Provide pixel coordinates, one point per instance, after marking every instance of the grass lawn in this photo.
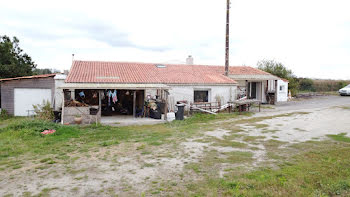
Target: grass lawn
(313, 168)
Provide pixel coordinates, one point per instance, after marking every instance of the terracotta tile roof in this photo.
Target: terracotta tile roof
(129, 72)
(285, 80)
(29, 77)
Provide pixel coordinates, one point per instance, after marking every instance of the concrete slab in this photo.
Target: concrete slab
(123, 120)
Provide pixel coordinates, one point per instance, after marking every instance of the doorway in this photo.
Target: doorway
(121, 102)
(253, 92)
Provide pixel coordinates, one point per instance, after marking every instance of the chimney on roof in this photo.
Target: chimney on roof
(189, 60)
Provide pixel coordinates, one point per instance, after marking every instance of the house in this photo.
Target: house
(133, 84)
(122, 88)
(92, 85)
(18, 95)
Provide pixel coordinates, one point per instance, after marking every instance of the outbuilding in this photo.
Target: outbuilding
(18, 95)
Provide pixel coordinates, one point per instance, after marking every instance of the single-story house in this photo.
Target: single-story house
(133, 84)
(115, 88)
(94, 83)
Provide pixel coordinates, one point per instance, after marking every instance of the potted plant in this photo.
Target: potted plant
(78, 119)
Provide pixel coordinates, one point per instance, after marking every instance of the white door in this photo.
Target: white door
(25, 98)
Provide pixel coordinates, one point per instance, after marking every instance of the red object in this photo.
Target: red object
(128, 72)
(48, 131)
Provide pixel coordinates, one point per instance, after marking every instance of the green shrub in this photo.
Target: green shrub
(44, 111)
(4, 114)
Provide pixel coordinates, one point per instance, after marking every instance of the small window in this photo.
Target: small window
(281, 88)
(201, 96)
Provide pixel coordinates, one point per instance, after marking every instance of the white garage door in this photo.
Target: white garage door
(25, 98)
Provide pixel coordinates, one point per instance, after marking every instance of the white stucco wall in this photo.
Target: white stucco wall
(186, 92)
(59, 81)
(282, 95)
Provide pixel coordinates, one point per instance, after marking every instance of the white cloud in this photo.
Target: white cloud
(310, 37)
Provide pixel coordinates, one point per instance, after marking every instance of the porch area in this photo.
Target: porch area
(114, 104)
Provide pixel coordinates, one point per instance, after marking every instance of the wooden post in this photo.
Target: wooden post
(248, 90)
(166, 105)
(262, 91)
(62, 113)
(134, 105)
(276, 90)
(99, 113)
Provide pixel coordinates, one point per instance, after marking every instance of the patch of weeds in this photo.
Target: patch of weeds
(252, 138)
(146, 152)
(238, 157)
(340, 137)
(14, 164)
(143, 146)
(47, 160)
(75, 189)
(193, 166)
(298, 129)
(109, 143)
(147, 165)
(260, 126)
(27, 194)
(229, 143)
(43, 167)
(17, 166)
(81, 178)
(46, 191)
(270, 131)
(73, 172)
(271, 144)
(254, 148)
(274, 156)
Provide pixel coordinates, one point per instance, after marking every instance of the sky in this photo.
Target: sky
(310, 37)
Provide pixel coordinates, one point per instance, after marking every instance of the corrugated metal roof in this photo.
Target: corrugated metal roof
(29, 77)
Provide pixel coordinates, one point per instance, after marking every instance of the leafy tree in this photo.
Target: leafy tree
(275, 68)
(13, 62)
(42, 71)
(279, 70)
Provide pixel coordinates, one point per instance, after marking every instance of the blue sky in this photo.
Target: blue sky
(311, 37)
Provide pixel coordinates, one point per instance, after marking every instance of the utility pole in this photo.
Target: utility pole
(227, 54)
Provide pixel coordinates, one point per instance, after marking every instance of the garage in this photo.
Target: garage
(25, 98)
(18, 95)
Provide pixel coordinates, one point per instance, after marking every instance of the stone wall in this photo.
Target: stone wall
(69, 113)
